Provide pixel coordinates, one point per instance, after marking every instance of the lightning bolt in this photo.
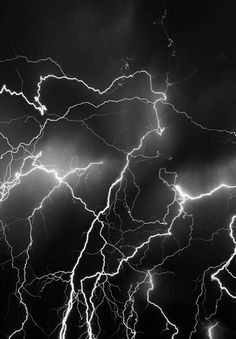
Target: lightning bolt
(210, 329)
(87, 301)
(9, 184)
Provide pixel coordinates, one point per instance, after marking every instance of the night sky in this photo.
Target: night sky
(117, 169)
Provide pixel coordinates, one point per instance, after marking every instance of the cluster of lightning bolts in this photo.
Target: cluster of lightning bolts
(13, 179)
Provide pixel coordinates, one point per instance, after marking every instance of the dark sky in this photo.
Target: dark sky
(108, 66)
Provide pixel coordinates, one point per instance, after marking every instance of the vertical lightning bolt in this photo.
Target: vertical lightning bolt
(210, 331)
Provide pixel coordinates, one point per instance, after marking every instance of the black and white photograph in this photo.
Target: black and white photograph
(117, 169)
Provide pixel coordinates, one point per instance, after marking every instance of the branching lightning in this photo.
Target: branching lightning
(88, 303)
